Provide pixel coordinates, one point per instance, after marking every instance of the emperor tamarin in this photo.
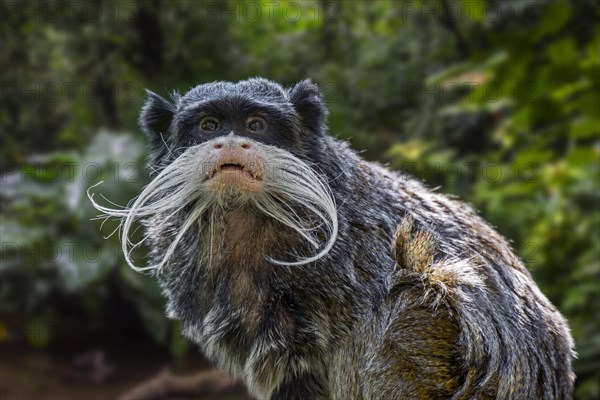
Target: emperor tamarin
(311, 273)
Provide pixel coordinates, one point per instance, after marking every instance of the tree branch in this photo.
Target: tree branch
(203, 383)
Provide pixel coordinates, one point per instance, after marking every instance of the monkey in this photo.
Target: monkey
(311, 273)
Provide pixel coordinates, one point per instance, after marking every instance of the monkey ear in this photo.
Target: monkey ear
(308, 103)
(156, 116)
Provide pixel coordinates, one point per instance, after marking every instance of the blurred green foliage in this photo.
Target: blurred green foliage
(495, 101)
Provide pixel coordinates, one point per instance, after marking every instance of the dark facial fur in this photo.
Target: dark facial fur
(398, 293)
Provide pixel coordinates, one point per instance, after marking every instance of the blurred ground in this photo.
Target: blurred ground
(91, 361)
(27, 373)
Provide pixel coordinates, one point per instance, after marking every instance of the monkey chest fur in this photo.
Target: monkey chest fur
(255, 320)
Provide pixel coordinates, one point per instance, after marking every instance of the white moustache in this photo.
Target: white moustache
(277, 183)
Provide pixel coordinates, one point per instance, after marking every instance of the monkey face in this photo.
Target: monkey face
(256, 110)
(235, 121)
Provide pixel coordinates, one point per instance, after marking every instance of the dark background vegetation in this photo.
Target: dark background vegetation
(495, 101)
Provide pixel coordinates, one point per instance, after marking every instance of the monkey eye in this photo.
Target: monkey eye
(209, 124)
(256, 124)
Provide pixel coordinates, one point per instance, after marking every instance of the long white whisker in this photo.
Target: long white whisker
(293, 193)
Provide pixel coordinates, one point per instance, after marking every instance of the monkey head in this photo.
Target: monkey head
(226, 147)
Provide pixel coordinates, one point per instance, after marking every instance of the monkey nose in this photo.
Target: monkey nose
(232, 143)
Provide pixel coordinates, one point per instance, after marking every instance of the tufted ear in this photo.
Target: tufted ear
(156, 116)
(308, 103)
(155, 120)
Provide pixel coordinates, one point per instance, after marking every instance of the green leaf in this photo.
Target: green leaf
(585, 128)
(563, 51)
(555, 15)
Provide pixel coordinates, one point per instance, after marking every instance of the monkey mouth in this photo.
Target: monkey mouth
(234, 168)
(233, 174)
